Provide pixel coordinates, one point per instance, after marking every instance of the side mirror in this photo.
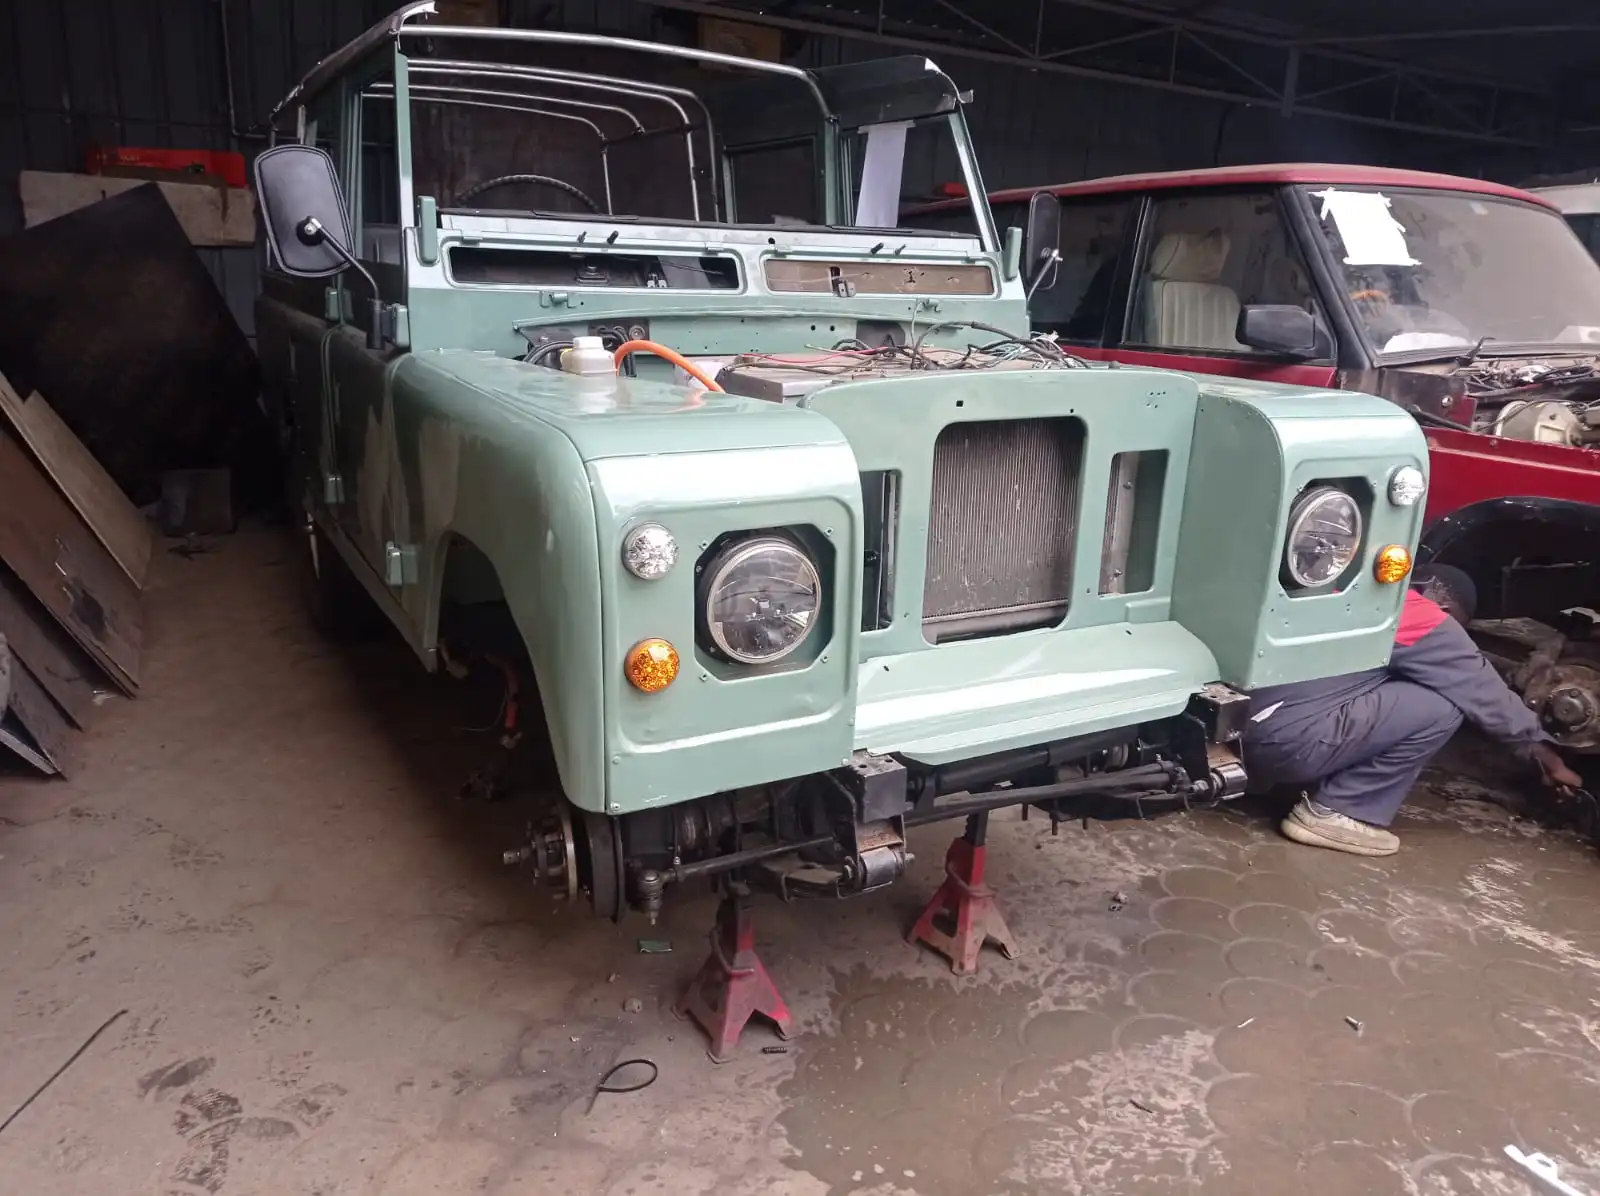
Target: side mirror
(307, 229)
(1041, 240)
(295, 183)
(1284, 331)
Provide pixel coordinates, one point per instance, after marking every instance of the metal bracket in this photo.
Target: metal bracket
(332, 489)
(877, 785)
(1224, 712)
(399, 564)
(394, 325)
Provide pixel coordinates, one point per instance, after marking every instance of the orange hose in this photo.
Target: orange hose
(672, 355)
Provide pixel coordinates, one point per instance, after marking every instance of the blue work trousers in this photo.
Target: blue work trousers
(1362, 757)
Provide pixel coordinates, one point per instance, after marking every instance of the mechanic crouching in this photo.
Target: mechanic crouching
(1360, 741)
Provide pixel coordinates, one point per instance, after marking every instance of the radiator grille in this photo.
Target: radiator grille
(1002, 525)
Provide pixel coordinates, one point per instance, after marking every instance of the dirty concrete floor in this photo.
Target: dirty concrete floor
(332, 987)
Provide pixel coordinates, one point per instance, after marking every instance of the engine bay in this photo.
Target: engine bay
(1547, 401)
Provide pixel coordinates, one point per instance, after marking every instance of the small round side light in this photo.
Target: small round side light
(649, 551)
(1393, 564)
(651, 665)
(1407, 486)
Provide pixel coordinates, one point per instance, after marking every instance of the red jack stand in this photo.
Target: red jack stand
(732, 985)
(964, 899)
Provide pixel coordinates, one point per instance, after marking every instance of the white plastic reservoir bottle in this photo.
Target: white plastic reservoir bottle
(588, 356)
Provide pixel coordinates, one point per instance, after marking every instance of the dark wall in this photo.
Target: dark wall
(150, 72)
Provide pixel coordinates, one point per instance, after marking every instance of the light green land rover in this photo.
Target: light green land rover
(805, 538)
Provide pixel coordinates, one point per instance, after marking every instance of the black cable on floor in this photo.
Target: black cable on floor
(39, 1091)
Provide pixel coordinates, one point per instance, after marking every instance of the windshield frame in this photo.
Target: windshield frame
(844, 96)
(1335, 272)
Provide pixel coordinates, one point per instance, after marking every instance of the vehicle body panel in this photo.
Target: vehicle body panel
(1272, 174)
(983, 696)
(446, 469)
(1470, 471)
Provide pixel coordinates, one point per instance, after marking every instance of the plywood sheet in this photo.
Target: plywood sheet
(48, 546)
(14, 736)
(111, 315)
(46, 725)
(211, 216)
(39, 642)
(88, 487)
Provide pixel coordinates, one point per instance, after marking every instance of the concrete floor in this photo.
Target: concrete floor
(332, 987)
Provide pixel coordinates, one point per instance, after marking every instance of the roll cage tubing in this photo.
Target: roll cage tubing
(398, 25)
(604, 83)
(446, 97)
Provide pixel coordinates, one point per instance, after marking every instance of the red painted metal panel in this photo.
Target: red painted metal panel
(1467, 468)
(1227, 367)
(1275, 175)
(222, 164)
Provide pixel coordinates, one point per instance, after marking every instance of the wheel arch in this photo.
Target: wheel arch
(508, 608)
(1528, 557)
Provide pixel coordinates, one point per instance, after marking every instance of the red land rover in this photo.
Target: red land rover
(1471, 304)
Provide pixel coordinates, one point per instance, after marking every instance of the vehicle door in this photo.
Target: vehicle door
(358, 376)
(293, 327)
(1202, 258)
(1074, 300)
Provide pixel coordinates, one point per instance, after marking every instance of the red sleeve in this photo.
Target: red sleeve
(1418, 617)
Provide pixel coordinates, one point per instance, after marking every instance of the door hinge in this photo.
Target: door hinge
(400, 564)
(332, 489)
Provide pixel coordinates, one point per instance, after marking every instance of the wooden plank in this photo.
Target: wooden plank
(36, 639)
(57, 557)
(112, 316)
(14, 735)
(45, 724)
(211, 216)
(88, 487)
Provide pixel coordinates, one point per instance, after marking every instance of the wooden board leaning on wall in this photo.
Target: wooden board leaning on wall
(48, 545)
(88, 487)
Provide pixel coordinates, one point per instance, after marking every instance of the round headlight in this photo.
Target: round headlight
(1407, 486)
(762, 600)
(1324, 537)
(649, 551)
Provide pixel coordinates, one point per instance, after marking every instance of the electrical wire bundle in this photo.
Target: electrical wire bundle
(853, 357)
(1501, 382)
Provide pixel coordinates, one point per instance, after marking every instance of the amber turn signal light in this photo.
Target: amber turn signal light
(652, 665)
(1393, 564)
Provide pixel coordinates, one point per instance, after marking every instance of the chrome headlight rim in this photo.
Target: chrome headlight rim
(1407, 486)
(1308, 504)
(649, 551)
(721, 563)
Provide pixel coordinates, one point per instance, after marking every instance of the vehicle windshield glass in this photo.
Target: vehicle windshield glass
(531, 128)
(1440, 269)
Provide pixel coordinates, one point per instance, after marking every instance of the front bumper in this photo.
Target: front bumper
(993, 695)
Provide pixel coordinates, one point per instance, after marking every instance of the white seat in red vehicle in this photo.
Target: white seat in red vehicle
(1185, 306)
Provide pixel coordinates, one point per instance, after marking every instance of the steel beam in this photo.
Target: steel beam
(1445, 33)
(1004, 50)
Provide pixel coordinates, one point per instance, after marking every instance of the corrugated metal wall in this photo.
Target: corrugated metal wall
(150, 72)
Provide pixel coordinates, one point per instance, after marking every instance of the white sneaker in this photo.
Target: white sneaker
(1316, 825)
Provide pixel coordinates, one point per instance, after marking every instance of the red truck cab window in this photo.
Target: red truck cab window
(1205, 258)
